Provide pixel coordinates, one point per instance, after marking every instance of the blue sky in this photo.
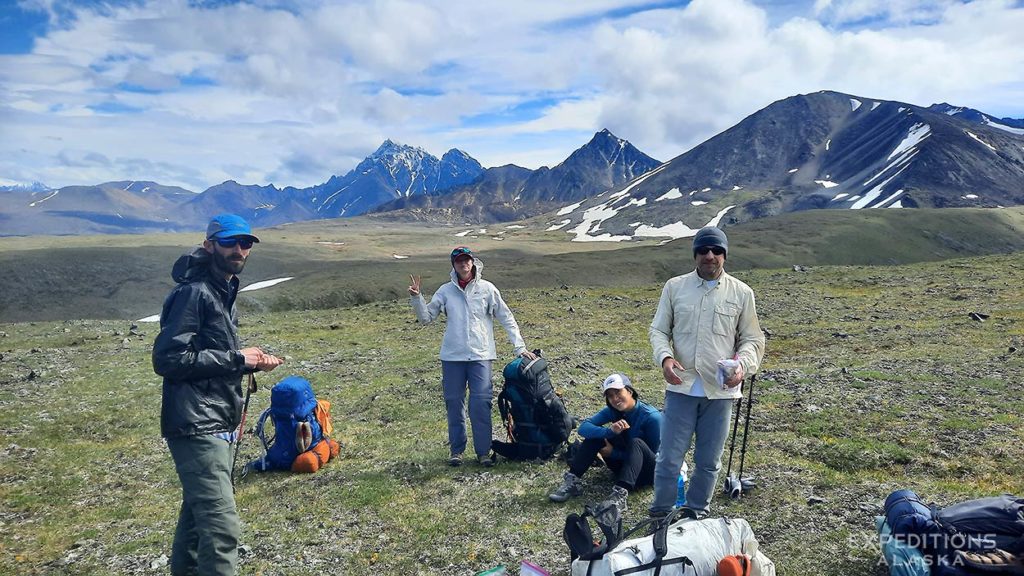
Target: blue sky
(289, 92)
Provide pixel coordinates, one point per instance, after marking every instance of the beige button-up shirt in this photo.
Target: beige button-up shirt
(699, 325)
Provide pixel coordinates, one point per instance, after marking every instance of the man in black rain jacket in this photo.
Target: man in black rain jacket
(200, 357)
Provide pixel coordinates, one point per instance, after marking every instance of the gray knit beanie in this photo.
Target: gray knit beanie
(710, 236)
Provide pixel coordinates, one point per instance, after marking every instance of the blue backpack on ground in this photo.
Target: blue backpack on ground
(912, 521)
(1000, 518)
(949, 540)
(296, 428)
(535, 417)
(902, 558)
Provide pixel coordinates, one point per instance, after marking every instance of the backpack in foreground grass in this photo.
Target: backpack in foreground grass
(535, 417)
(678, 546)
(302, 427)
(947, 538)
(583, 543)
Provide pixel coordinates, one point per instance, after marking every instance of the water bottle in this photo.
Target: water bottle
(681, 487)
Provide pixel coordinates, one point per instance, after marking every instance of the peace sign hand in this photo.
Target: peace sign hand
(414, 288)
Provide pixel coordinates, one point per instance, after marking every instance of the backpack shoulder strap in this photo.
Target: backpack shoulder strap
(661, 541)
(609, 519)
(530, 365)
(658, 564)
(260, 433)
(578, 536)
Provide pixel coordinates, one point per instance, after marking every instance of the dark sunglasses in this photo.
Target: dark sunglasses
(716, 250)
(230, 243)
(460, 251)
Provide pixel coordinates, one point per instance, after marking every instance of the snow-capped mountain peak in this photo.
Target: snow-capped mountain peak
(15, 186)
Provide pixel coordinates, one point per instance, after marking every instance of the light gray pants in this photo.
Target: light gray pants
(206, 540)
(684, 417)
(455, 376)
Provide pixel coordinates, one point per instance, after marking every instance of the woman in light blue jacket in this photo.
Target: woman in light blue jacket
(470, 304)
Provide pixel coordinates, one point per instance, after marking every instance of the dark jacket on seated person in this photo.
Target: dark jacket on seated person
(644, 423)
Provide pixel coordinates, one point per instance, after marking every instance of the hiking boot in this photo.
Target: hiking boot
(571, 487)
(619, 495)
(487, 460)
(455, 460)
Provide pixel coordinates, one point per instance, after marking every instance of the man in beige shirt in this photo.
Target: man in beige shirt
(703, 317)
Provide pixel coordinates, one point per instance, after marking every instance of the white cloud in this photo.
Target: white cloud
(896, 11)
(298, 93)
(677, 78)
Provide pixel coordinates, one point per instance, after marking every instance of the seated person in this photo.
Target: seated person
(625, 434)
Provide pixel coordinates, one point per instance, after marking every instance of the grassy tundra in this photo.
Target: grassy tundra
(875, 379)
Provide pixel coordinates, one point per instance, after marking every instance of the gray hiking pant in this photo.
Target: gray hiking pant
(206, 540)
(455, 376)
(684, 417)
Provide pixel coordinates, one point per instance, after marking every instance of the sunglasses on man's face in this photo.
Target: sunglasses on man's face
(230, 243)
(716, 250)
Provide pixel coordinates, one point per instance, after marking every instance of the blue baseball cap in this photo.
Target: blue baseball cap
(229, 226)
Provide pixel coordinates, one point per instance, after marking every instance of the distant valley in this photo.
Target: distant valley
(349, 261)
(825, 150)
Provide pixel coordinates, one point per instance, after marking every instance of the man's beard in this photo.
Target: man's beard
(709, 271)
(227, 265)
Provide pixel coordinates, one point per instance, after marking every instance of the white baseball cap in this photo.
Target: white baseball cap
(616, 381)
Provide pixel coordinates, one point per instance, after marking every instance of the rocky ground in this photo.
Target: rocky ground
(876, 378)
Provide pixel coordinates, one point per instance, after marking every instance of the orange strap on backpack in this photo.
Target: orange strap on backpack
(735, 565)
(323, 416)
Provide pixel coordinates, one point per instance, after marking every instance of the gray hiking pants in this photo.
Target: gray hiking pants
(455, 376)
(206, 540)
(686, 416)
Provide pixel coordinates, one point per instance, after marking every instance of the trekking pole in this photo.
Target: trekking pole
(732, 484)
(732, 444)
(241, 427)
(747, 483)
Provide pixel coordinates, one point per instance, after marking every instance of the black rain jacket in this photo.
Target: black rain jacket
(198, 352)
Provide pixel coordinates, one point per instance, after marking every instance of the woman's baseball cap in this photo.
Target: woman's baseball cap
(616, 381)
(461, 251)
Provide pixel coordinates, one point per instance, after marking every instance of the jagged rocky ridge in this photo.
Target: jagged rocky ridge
(821, 150)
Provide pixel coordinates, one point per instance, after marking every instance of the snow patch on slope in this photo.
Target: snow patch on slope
(595, 215)
(1004, 127)
(569, 209)
(917, 133)
(673, 230)
(978, 138)
(718, 217)
(265, 284)
(670, 195)
(37, 202)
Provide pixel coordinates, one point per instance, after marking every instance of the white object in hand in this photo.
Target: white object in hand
(726, 368)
